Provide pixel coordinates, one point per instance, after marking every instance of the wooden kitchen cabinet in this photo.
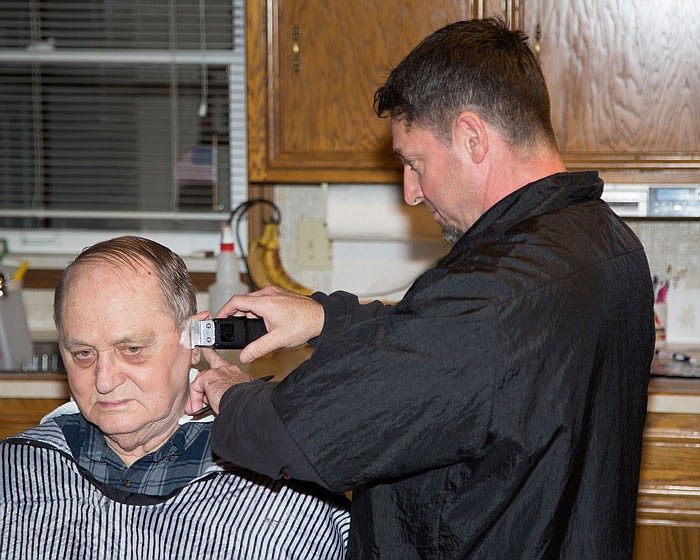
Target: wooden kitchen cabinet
(623, 78)
(668, 504)
(312, 71)
(19, 414)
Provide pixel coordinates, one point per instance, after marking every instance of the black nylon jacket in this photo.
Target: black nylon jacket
(496, 411)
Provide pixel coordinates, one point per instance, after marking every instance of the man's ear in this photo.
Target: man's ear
(196, 355)
(470, 134)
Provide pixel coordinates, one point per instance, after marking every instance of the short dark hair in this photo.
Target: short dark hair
(477, 65)
(173, 277)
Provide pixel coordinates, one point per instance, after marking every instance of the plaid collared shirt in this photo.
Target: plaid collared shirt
(186, 455)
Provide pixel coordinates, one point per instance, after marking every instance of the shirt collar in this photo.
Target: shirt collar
(96, 448)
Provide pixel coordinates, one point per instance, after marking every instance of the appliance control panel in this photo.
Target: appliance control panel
(674, 200)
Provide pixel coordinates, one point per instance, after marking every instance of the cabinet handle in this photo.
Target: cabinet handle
(537, 47)
(296, 49)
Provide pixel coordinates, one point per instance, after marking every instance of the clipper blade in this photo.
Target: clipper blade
(202, 333)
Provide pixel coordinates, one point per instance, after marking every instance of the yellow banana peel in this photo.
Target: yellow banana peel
(265, 266)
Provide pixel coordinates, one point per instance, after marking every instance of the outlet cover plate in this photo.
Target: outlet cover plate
(314, 251)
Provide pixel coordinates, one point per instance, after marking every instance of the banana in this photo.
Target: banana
(265, 266)
(256, 271)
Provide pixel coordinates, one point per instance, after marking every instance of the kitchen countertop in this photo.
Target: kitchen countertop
(22, 385)
(674, 395)
(666, 394)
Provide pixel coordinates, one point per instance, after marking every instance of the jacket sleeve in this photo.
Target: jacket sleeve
(342, 309)
(248, 432)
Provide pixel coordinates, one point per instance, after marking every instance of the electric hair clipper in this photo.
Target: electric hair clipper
(226, 333)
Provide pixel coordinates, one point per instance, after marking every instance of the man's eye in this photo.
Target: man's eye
(82, 355)
(135, 354)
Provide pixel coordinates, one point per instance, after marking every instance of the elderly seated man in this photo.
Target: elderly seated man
(120, 472)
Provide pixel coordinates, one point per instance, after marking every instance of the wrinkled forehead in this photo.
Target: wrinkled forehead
(132, 283)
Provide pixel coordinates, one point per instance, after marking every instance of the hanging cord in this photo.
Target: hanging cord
(237, 215)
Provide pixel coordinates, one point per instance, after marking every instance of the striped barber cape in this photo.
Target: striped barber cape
(50, 509)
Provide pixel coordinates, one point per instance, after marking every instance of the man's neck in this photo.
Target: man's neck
(517, 170)
(132, 447)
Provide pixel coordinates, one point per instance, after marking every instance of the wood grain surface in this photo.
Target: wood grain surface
(311, 110)
(624, 79)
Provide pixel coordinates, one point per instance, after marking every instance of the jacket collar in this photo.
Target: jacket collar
(539, 197)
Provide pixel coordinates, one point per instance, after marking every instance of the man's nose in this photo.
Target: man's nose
(412, 193)
(108, 375)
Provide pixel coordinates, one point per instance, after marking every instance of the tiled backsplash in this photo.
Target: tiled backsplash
(675, 244)
(295, 203)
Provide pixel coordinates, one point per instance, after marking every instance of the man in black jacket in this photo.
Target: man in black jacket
(496, 411)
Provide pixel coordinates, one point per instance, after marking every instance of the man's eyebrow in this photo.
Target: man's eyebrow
(143, 340)
(140, 340)
(398, 154)
(70, 342)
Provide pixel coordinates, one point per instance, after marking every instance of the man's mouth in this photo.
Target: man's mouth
(113, 404)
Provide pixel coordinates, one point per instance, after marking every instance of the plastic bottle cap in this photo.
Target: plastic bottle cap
(226, 238)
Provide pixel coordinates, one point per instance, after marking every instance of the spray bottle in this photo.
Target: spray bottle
(228, 273)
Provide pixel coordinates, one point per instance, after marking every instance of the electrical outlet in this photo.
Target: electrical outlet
(313, 246)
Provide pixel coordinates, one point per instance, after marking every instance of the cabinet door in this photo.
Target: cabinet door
(624, 79)
(313, 68)
(19, 414)
(668, 503)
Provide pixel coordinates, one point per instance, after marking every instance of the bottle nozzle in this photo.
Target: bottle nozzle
(227, 238)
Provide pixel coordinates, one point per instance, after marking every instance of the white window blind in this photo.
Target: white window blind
(121, 114)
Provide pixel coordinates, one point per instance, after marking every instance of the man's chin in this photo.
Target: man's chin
(451, 234)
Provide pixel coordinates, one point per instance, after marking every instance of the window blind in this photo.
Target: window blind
(121, 114)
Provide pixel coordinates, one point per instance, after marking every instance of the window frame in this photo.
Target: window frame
(184, 241)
